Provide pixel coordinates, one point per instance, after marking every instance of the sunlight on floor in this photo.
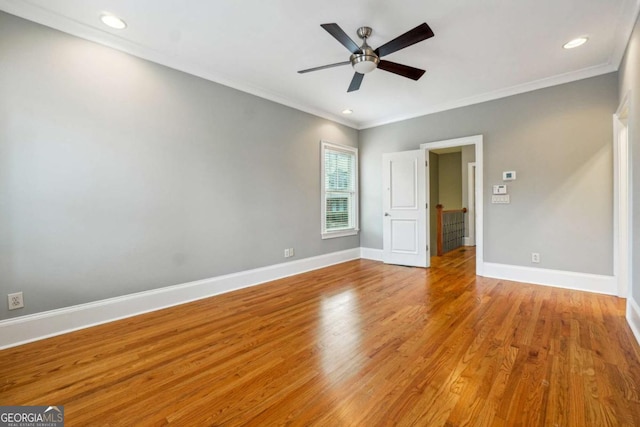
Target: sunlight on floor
(340, 335)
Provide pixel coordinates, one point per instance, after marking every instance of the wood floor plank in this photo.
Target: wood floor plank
(356, 344)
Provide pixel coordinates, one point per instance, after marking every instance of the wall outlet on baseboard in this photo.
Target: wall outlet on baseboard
(288, 253)
(15, 301)
(535, 257)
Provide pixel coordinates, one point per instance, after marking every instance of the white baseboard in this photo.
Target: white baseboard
(33, 327)
(372, 254)
(633, 317)
(560, 279)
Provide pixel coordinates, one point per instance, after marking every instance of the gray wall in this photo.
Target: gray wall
(118, 175)
(630, 82)
(558, 140)
(450, 180)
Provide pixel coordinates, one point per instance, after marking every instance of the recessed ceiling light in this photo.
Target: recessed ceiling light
(575, 42)
(347, 111)
(113, 21)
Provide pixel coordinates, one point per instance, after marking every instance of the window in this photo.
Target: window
(339, 190)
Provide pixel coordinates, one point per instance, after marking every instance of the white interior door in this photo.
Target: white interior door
(405, 210)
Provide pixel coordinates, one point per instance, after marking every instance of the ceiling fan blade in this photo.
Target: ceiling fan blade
(356, 81)
(323, 67)
(342, 37)
(401, 70)
(411, 37)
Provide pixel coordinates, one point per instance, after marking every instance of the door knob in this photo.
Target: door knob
(386, 214)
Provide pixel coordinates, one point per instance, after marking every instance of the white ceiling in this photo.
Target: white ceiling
(482, 49)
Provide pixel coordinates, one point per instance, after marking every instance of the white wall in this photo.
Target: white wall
(630, 84)
(468, 156)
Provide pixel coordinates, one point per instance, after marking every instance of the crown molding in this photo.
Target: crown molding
(585, 73)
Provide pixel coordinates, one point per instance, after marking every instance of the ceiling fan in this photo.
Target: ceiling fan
(364, 59)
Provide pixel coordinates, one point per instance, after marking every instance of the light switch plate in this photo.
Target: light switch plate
(500, 198)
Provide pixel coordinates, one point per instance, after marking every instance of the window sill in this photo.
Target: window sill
(341, 233)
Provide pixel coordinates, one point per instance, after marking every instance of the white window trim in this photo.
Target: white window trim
(323, 202)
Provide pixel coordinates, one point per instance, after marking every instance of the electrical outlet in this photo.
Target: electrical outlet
(286, 253)
(535, 257)
(291, 253)
(15, 301)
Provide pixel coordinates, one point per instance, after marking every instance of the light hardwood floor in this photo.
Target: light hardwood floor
(357, 344)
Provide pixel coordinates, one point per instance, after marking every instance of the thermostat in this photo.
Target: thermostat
(509, 176)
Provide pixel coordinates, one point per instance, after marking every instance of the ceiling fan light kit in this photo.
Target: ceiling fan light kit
(365, 59)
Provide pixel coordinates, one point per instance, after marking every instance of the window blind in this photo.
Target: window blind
(339, 185)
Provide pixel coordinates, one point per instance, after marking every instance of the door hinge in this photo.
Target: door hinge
(426, 163)
(427, 247)
(426, 205)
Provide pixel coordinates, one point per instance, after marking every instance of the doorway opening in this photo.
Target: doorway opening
(406, 208)
(452, 193)
(473, 188)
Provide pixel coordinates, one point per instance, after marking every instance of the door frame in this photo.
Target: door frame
(622, 200)
(475, 140)
(471, 202)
